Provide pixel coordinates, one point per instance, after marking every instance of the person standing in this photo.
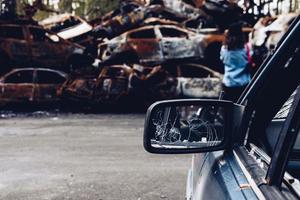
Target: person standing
(235, 56)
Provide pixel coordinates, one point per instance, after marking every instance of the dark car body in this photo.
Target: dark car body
(258, 157)
(34, 85)
(28, 45)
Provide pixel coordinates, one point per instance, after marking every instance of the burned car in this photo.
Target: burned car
(157, 44)
(27, 45)
(171, 81)
(31, 85)
(196, 81)
(69, 27)
(106, 88)
(143, 85)
(131, 16)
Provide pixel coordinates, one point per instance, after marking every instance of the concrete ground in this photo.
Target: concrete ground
(85, 157)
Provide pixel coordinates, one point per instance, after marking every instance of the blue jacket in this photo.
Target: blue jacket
(235, 62)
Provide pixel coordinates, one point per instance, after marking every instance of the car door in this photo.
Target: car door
(14, 44)
(176, 44)
(47, 83)
(112, 84)
(17, 86)
(145, 44)
(47, 49)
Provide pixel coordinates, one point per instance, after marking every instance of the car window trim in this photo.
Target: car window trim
(16, 71)
(144, 29)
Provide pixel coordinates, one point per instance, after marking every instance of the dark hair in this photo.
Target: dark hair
(235, 38)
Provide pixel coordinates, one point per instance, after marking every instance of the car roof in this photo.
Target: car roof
(159, 26)
(38, 69)
(21, 25)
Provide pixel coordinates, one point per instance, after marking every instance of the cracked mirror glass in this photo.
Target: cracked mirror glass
(191, 126)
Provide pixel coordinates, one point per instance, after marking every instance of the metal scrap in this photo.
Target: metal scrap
(157, 44)
(69, 27)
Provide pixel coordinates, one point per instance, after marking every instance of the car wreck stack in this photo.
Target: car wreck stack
(142, 51)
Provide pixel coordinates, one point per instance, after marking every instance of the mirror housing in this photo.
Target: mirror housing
(188, 126)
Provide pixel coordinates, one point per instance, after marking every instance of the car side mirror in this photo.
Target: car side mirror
(188, 126)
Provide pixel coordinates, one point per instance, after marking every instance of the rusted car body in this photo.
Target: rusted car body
(157, 44)
(131, 16)
(79, 88)
(34, 85)
(169, 81)
(27, 45)
(112, 84)
(107, 88)
(69, 27)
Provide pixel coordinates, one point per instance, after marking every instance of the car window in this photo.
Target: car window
(172, 32)
(143, 34)
(283, 113)
(11, 32)
(48, 77)
(193, 71)
(20, 77)
(39, 35)
(172, 70)
(115, 72)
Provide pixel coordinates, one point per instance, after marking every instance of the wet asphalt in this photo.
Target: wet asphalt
(81, 156)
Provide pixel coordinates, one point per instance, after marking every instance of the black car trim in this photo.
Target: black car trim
(285, 143)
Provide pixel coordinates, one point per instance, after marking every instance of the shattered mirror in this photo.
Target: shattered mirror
(187, 126)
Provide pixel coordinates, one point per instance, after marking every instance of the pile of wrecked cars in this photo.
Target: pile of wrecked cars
(142, 52)
(116, 83)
